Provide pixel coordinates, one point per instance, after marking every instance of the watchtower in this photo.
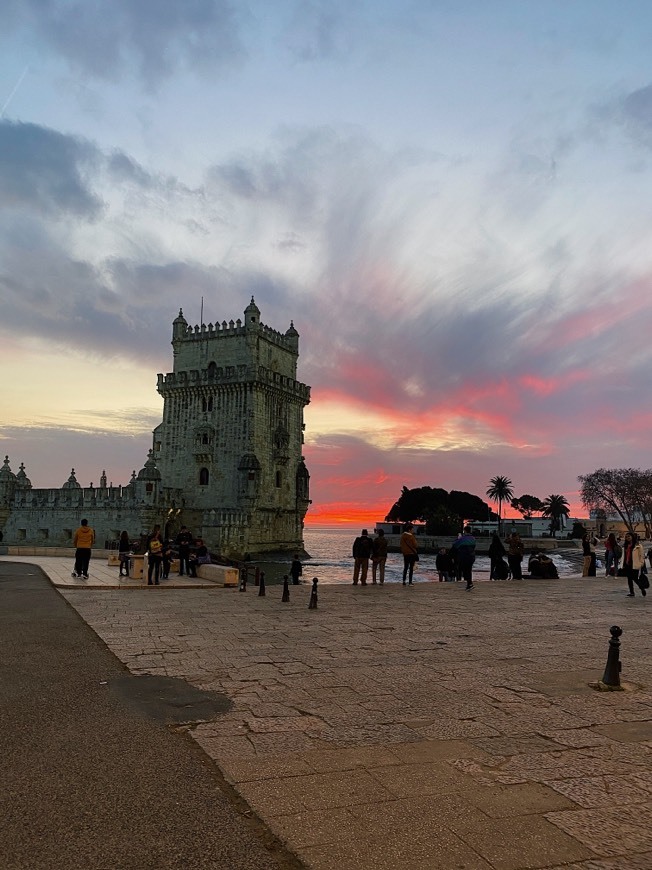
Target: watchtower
(230, 443)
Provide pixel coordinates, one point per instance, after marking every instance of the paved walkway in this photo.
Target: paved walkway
(416, 728)
(95, 774)
(102, 575)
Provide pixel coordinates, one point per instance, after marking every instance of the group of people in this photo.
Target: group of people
(161, 552)
(632, 554)
(365, 549)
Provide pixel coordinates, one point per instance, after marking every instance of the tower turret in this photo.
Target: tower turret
(252, 317)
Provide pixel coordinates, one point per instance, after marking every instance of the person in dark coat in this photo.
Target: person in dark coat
(497, 552)
(296, 570)
(515, 555)
(184, 543)
(362, 551)
(124, 548)
(444, 565)
(379, 557)
(464, 548)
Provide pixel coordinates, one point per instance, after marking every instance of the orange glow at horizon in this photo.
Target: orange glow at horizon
(355, 514)
(346, 514)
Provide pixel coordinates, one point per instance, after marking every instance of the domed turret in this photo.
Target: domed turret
(149, 471)
(252, 316)
(179, 326)
(7, 483)
(71, 483)
(293, 337)
(22, 480)
(6, 474)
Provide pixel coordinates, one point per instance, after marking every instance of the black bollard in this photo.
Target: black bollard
(611, 675)
(313, 595)
(261, 584)
(243, 580)
(286, 589)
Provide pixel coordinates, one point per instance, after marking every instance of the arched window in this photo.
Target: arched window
(210, 403)
(204, 439)
(278, 478)
(204, 405)
(203, 477)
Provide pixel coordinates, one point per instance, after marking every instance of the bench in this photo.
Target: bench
(222, 575)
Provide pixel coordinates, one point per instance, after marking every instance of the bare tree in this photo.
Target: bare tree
(626, 492)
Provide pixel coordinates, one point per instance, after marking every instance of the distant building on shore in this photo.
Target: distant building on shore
(528, 527)
(226, 460)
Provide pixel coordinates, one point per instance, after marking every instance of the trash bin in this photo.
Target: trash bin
(136, 567)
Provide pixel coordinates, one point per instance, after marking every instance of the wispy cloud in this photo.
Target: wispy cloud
(154, 40)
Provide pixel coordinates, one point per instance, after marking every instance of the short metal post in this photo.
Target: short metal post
(256, 576)
(611, 675)
(286, 589)
(261, 584)
(243, 580)
(313, 595)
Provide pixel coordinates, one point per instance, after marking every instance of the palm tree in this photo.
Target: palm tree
(499, 491)
(555, 506)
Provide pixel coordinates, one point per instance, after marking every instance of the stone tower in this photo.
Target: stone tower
(229, 448)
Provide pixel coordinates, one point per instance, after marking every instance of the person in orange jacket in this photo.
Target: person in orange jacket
(408, 544)
(83, 540)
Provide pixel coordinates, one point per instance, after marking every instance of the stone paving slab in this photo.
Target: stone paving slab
(422, 728)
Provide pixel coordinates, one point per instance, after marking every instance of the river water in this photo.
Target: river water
(331, 560)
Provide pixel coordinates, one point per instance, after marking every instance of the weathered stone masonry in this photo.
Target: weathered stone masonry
(226, 459)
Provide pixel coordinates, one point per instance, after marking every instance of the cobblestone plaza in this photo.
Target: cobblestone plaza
(416, 728)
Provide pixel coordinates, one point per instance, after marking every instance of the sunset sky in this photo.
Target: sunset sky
(451, 199)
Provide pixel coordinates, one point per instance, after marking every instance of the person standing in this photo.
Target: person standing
(184, 542)
(410, 552)
(588, 552)
(633, 561)
(362, 549)
(379, 557)
(515, 555)
(83, 541)
(124, 548)
(296, 570)
(465, 550)
(154, 558)
(167, 556)
(444, 565)
(611, 555)
(496, 553)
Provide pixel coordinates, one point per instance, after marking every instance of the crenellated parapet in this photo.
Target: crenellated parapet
(184, 332)
(218, 376)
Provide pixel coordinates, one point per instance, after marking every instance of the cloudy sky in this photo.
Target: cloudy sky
(452, 199)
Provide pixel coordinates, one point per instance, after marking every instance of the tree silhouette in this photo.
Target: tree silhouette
(527, 505)
(500, 490)
(555, 506)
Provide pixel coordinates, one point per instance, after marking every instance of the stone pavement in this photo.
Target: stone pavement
(102, 575)
(416, 728)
